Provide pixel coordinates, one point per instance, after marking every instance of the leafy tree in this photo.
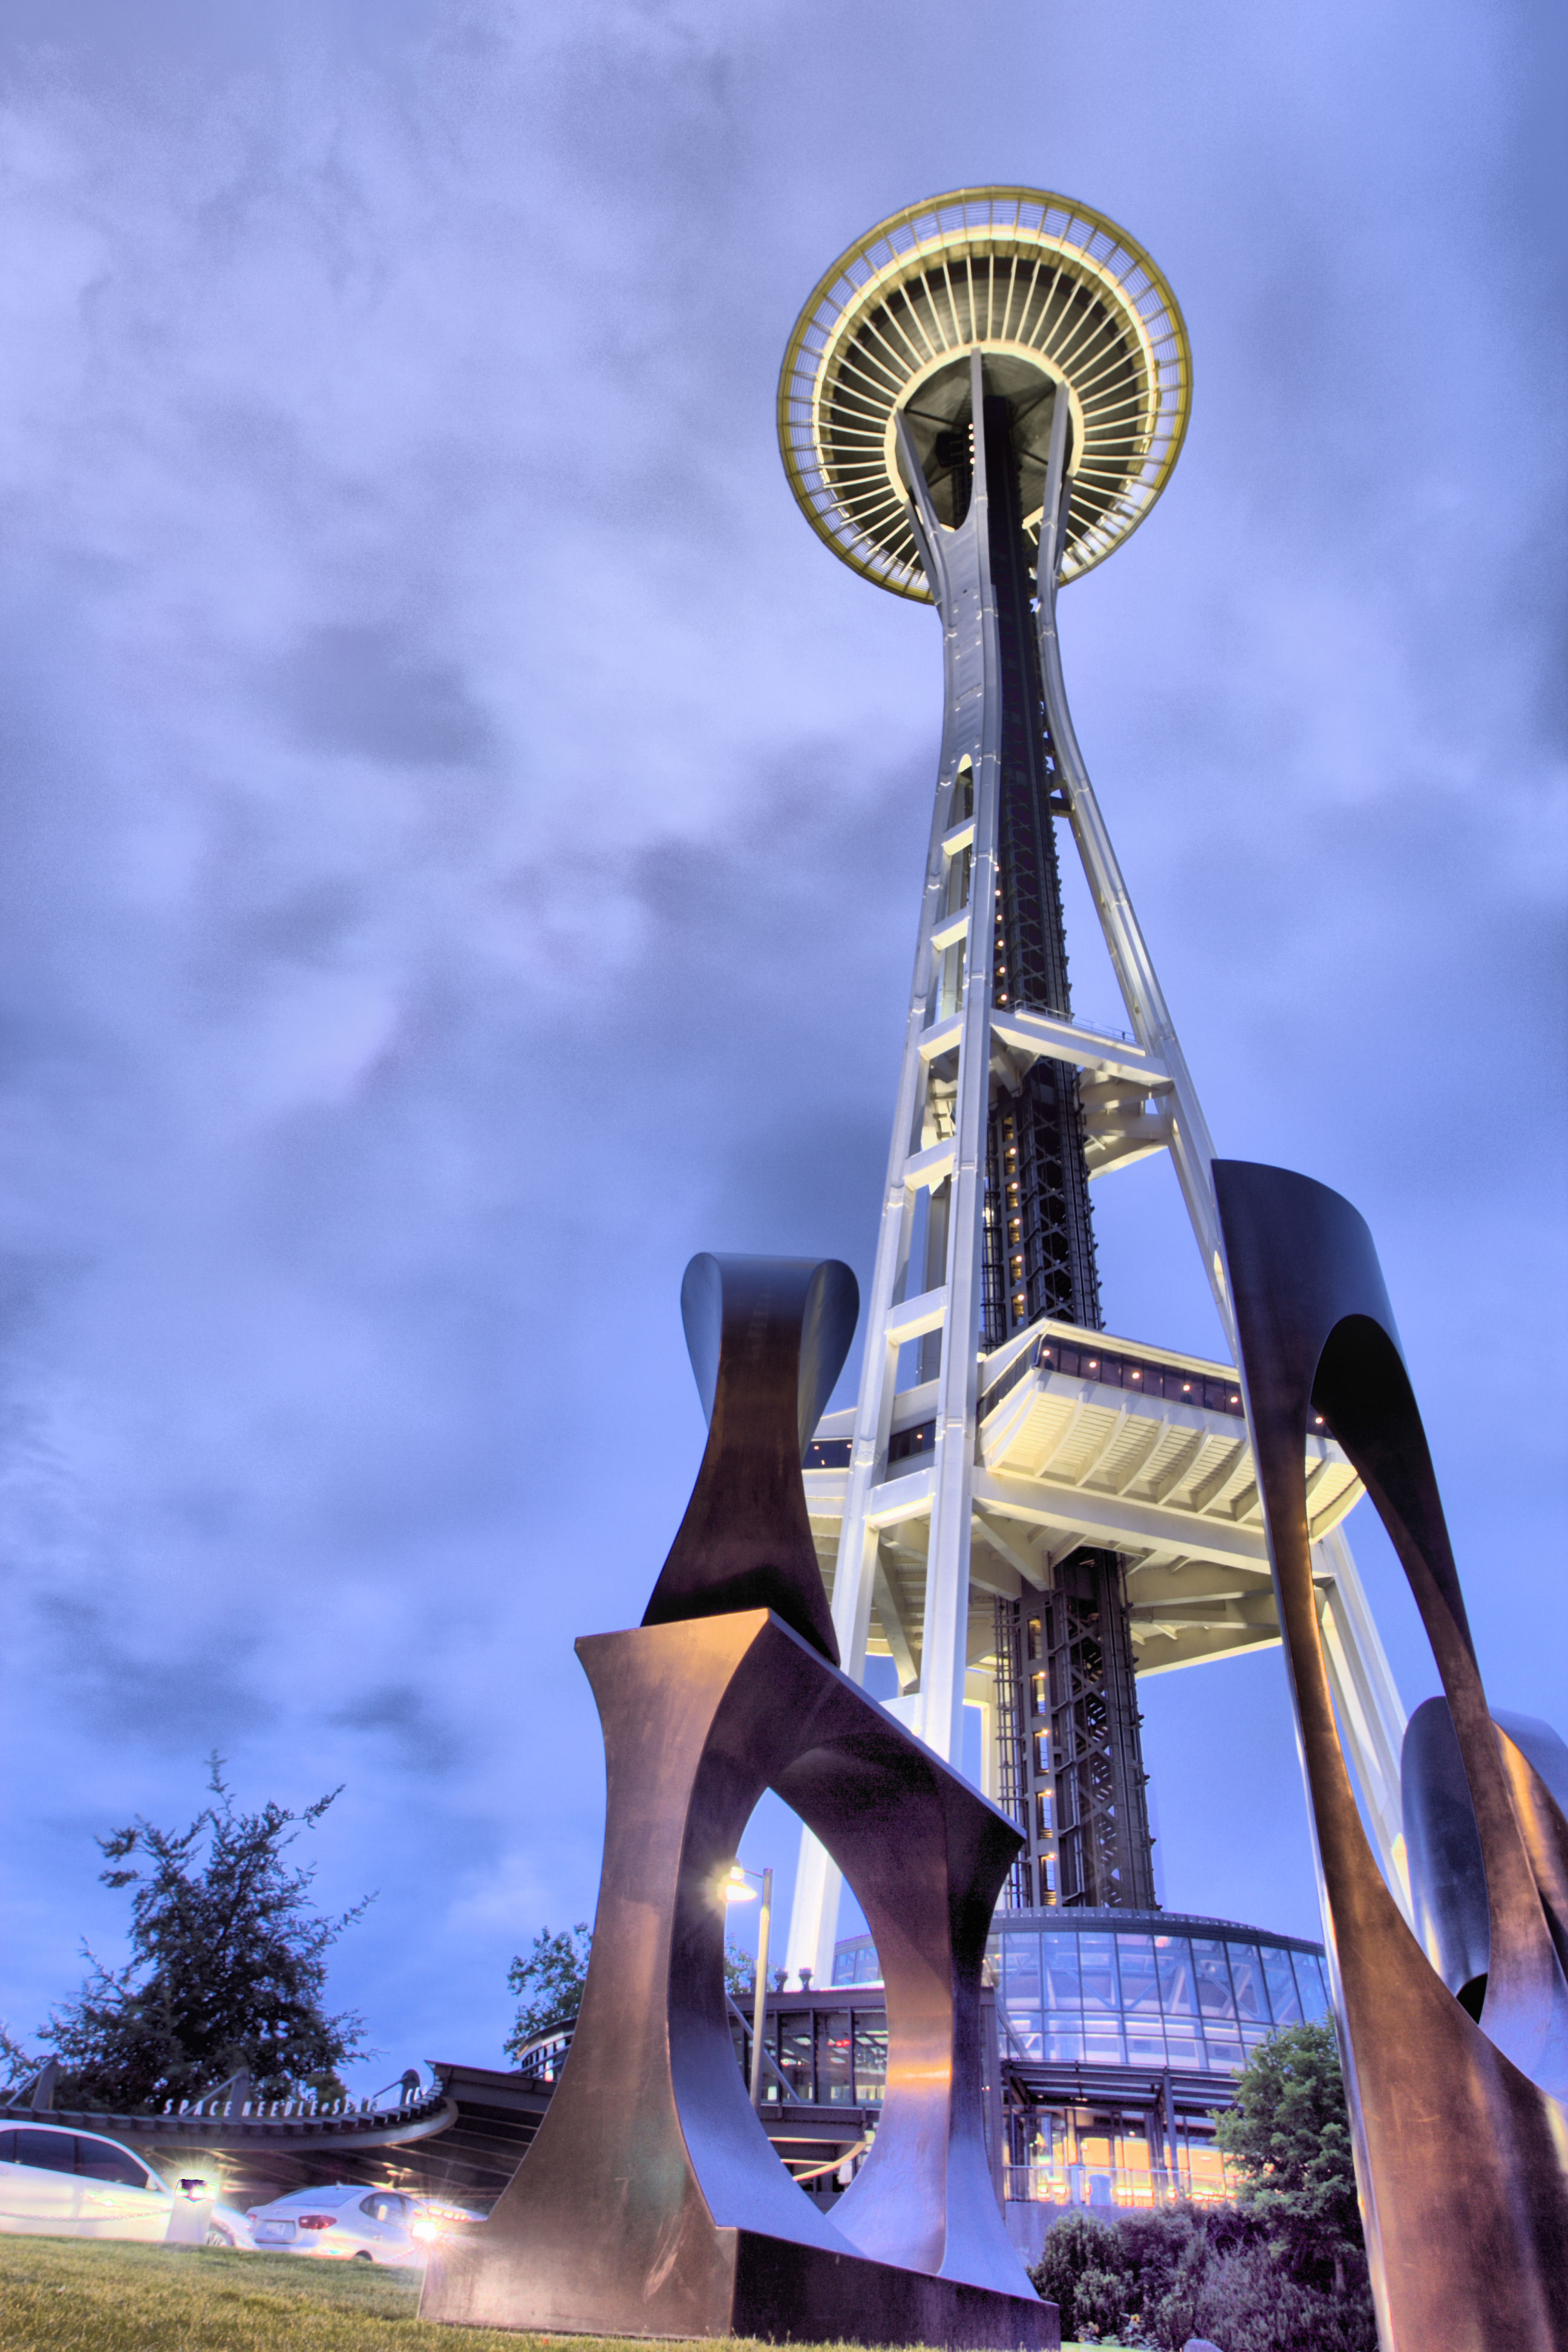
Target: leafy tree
(18, 2066)
(1282, 2269)
(553, 1976)
(1288, 2137)
(1157, 2279)
(227, 1968)
(1079, 2248)
(556, 1971)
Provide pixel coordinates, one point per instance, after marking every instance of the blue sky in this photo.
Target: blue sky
(462, 835)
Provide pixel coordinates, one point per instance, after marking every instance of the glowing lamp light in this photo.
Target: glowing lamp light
(734, 1889)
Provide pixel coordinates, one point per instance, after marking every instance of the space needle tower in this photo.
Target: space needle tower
(980, 402)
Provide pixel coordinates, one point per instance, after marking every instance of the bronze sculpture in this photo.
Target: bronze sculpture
(1461, 2133)
(652, 2203)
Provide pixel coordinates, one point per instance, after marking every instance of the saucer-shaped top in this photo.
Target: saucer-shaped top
(1052, 293)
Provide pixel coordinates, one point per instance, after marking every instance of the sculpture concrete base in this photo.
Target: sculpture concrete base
(751, 2285)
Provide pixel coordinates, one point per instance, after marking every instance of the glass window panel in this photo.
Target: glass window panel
(844, 1967)
(1140, 1981)
(1018, 2028)
(835, 2076)
(1146, 2043)
(1063, 2041)
(1178, 1991)
(1061, 1978)
(49, 2151)
(1182, 2044)
(1021, 1978)
(1043, 1753)
(1097, 1962)
(870, 2056)
(1101, 2048)
(1213, 1980)
(100, 2159)
(7, 2148)
(1310, 1982)
(1037, 1638)
(1039, 1695)
(1224, 2049)
(1283, 2000)
(1246, 1976)
(795, 2053)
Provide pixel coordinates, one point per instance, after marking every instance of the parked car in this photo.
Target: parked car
(354, 2222)
(85, 2185)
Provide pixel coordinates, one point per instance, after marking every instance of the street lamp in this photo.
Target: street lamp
(735, 1890)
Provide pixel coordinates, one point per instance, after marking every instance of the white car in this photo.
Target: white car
(354, 2222)
(73, 2184)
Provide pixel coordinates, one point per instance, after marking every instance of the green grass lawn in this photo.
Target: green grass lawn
(58, 2295)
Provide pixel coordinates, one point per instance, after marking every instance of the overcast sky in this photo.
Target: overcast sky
(462, 837)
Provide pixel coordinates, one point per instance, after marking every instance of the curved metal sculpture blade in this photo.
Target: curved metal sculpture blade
(767, 1338)
(1461, 2141)
(1443, 1846)
(652, 2203)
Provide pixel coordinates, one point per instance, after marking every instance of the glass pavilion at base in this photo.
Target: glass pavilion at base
(1107, 2023)
(1144, 1989)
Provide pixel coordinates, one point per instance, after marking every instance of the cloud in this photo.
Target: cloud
(459, 838)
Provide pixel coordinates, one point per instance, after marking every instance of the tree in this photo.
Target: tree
(227, 1969)
(556, 1971)
(1288, 2137)
(553, 1976)
(1161, 2278)
(18, 2066)
(1281, 2270)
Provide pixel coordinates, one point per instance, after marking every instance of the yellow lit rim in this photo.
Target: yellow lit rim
(1005, 269)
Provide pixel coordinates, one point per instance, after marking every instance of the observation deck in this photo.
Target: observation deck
(1053, 293)
(1086, 1439)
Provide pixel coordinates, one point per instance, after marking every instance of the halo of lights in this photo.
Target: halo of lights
(1015, 272)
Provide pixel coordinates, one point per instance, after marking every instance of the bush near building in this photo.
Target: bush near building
(1283, 2269)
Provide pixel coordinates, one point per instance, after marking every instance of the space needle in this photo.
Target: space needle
(981, 400)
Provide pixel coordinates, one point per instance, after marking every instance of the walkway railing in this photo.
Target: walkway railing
(1090, 2184)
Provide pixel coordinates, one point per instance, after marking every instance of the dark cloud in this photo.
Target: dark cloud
(358, 690)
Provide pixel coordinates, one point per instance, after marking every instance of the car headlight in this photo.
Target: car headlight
(424, 2230)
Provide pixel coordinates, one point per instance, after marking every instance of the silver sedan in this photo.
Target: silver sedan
(352, 2223)
(61, 2184)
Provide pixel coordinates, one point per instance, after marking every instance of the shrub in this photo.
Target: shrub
(1158, 2278)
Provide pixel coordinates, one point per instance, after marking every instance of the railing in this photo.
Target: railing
(1115, 2185)
(542, 2060)
(1180, 1383)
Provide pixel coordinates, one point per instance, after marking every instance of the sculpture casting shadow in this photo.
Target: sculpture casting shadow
(1461, 2140)
(652, 2203)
